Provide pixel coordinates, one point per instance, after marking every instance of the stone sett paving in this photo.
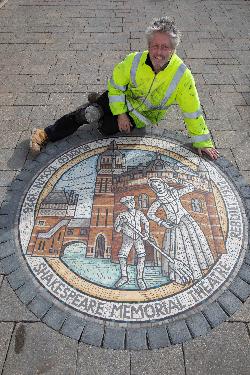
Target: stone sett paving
(51, 55)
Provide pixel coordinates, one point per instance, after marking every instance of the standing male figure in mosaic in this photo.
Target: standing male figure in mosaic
(130, 223)
(142, 88)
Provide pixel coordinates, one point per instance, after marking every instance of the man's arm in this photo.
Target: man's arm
(117, 87)
(119, 222)
(189, 103)
(145, 223)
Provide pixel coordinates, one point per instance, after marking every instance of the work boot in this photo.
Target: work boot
(37, 140)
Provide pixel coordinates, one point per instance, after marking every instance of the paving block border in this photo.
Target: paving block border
(90, 331)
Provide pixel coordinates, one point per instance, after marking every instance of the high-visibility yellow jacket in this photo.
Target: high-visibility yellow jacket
(137, 90)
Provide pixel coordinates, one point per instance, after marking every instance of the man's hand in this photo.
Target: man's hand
(211, 152)
(124, 123)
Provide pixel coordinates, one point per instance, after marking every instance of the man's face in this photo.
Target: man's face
(158, 186)
(160, 50)
(130, 204)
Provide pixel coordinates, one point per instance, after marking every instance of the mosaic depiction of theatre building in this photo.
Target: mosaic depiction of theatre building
(56, 225)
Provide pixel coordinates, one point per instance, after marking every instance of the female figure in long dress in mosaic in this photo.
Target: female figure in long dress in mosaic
(184, 239)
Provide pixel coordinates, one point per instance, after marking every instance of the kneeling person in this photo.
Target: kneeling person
(142, 88)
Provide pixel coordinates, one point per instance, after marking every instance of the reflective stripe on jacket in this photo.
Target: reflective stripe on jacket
(135, 89)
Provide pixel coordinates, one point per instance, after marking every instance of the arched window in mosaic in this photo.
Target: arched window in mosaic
(196, 205)
(143, 201)
(40, 245)
(100, 246)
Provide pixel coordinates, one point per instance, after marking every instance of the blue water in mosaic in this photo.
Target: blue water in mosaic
(104, 272)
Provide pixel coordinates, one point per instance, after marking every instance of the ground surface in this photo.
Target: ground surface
(52, 54)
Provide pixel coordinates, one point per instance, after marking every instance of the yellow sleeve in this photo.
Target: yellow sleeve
(188, 100)
(117, 85)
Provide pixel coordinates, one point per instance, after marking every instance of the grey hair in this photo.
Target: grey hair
(164, 25)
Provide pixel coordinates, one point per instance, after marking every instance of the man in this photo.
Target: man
(125, 222)
(143, 86)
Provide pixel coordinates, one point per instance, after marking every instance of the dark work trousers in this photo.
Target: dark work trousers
(69, 123)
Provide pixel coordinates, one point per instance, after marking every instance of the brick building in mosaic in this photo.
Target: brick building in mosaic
(56, 225)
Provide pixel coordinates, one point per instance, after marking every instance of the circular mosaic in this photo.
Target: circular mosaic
(132, 231)
(128, 242)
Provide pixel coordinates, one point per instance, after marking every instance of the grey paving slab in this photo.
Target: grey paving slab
(23, 141)
(229, 98)
(6, 249)
(11, 308)
(53, 354)
(92, 361)
(17, 278)
(158, 337)
(93, 334)
(7, 98)
(246, 175)
(198, 325)
(222, 124)
(136, 339)
(6, 177)
(8, 206)
(240, 289)
(27, 291)
(6, 330)
(114, 338)
(3, 191)
(215, 79)
(55, 317)
(214, 314)
(40, 305)
(242, 88)
(18, 123)
(229, 302)
(10, 263)
(32, 99)
(178, 332)
(220, 352)
(168, 361)
(229, 138)
(246, 96)
(241, 154)
(6, 221)
(73, 327)
(244, 272)
(242, 315)
(9, 139)
(244, 112)
(12, 158)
